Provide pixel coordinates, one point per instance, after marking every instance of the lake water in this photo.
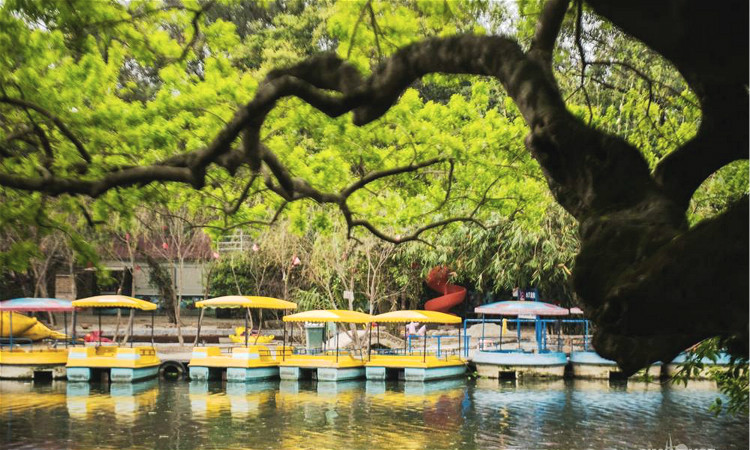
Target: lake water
(460, 414)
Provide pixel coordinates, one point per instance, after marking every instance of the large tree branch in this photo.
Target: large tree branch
(705, 295)
(709, 47)
(707, 44)
(548, 28)
(722, 138)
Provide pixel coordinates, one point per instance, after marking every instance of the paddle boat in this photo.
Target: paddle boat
(539, 361)
(411, 365)
(252, 361)
(586, 363)
(111, 362)
(22, 355)
(324, 364)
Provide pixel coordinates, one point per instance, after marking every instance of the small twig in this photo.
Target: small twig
(354, 31)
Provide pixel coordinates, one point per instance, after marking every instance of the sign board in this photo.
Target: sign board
(527, 316)
(531, 294)
(348, 295)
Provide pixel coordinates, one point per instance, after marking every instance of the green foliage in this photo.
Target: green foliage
(517, 252)
(731, 379)
(720, 190)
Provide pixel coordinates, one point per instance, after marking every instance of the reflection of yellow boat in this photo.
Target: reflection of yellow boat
(416, 393)
(291, 396)
(332, 365)
(16, 395)
(240, 399)
(438, 403)
(124, 401)
(250, 362)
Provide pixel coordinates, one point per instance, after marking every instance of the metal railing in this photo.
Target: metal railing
(353, 352)
(541, 335)
(438, 352)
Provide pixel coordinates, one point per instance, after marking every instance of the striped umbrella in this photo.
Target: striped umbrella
(522, 308)
(36, 304)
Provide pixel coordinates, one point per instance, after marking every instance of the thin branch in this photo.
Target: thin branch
(354, 31)
(582, 55)
(373, 176)
(414, 236)
(229, 210)
(56, 120)
(375, 29)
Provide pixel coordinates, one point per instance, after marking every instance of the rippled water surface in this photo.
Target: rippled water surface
(457, 414)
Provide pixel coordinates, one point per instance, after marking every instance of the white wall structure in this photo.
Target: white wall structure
(191, 281)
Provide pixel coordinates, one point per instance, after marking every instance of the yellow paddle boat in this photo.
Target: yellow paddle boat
(112, 362)
(28, 349)
(324, 365)
(415, 364)
(246, 363)
(239, 337)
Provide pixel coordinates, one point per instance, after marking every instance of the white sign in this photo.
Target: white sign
(349, 295)
(527, 316)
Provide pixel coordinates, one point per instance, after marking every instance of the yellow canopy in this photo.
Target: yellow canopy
(330, 315)
(114, 301)
(245, 301)
(416, 316)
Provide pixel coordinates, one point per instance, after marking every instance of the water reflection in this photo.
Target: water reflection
(122, 401)
(358, 414)
(238, 400)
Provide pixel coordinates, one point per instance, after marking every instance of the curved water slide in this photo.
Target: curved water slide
(453, 294)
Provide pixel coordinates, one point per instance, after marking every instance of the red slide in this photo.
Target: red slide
(437, 280)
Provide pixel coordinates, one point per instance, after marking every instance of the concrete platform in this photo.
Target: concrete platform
(414, 373)
(589, 365)
(32, 372)
(234, 374)
(113, 374)
(321, 373)
(34, 363)
(520, 365)
(112, 364)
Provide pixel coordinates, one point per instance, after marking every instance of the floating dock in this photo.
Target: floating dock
(515, 364)
(322, 367)
(115, 364)
(33, 363)
(413, 367)
(255, 362)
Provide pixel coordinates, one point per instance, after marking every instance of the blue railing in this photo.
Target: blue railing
(333, 352)
(540, 331)
(438, 337)
(16, 342)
